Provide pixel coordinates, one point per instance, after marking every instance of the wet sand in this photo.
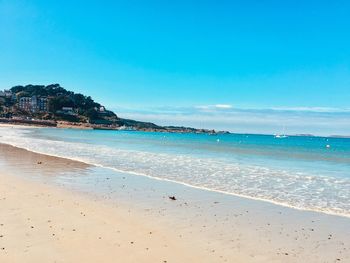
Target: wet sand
(58, 210)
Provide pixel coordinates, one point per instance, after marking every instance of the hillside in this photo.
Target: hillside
(61, 104)
(53, 104)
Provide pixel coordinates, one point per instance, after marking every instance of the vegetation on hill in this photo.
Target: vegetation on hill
(85, 109)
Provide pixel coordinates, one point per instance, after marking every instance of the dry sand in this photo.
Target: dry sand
(39, 223)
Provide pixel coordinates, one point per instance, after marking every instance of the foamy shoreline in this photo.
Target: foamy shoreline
(128, 160)
(199, 225)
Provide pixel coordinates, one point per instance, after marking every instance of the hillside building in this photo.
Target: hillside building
(33, 104)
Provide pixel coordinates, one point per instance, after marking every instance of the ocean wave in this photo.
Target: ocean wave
(295, 189)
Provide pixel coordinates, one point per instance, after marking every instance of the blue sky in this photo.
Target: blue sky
(215, 64)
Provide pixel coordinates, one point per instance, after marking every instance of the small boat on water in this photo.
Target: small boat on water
(282, 135)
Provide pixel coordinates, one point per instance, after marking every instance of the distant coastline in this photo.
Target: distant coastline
(163, 129)
(54, 106)
(81, 125)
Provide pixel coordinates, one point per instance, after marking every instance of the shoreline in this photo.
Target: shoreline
(221, 192)
(193, 186)
(205, 220)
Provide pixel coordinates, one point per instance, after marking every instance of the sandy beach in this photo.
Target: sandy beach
(42, 224)
(43, 219)
(174, 131)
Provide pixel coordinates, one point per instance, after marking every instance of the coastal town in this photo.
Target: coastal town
(54, 106)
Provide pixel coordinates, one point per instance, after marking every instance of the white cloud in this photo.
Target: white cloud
(223, 106)
(214, 107)
(312, 109)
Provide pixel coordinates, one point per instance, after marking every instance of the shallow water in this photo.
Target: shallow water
(301, 172)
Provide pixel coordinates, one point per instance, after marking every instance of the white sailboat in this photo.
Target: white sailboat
(282, 135)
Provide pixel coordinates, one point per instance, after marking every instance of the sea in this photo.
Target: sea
(303, 172)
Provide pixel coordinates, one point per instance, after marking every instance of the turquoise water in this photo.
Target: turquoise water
(302, 172)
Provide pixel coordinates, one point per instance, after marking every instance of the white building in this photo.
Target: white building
(33, 104)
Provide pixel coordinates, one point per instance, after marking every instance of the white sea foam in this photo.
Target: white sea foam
(299, 190)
